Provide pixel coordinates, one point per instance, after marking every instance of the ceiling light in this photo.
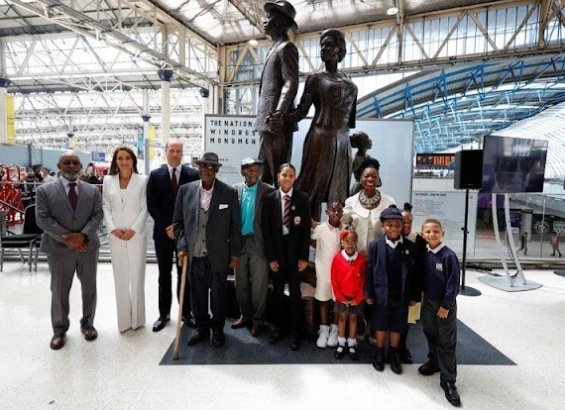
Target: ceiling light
(392, 11)
(253, 42)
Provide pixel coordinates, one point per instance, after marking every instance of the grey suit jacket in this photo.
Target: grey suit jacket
(279, 84)
(223, 230)
(262, 190)
(56, 217)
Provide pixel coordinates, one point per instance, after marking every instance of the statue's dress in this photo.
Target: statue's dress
(326, 158)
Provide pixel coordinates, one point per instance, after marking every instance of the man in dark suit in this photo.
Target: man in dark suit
(162, 189)
(277, 89)
(252, 276)
(207, 223)
(69, 212)
(286, 232)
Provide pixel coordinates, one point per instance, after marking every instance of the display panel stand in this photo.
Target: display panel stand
(466, 290)
(509, 283)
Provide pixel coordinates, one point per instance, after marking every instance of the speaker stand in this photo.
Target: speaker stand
(466, 290)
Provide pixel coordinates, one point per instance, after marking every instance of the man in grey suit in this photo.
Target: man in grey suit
(252, 275)
(277, 89)
(207, 224)
(69, 212)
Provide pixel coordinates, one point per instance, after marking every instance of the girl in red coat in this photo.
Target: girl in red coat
(348, 285)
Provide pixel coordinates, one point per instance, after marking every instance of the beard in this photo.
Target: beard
(70, 176)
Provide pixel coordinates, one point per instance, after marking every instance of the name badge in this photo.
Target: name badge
(439, 267)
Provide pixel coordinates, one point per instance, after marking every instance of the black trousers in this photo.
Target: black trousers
(288, 271)
(204, 278)
(165, 249)
(441, 335)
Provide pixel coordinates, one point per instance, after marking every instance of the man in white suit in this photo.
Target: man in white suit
(69, 212)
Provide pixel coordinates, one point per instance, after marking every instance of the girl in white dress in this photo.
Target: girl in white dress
(125, 213)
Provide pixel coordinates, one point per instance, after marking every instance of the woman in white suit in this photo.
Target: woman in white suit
(125, 213)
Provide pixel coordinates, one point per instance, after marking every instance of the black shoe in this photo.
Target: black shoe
(405, 356)
(428, 368)
(394, 360)
(190, 322)
(240, 323)
(294, 342)
(160, 323)
(379, 360)
(276, 336)
(197, 336)
(451, 393)
(218, 338)
(353, 352)
(339, 352)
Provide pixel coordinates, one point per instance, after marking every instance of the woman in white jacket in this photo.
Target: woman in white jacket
(125, 213)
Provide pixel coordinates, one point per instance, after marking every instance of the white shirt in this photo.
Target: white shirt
(206, 196)
(177, 175)
(66, 184)
(285, 230)
(392, 244)
(348, 258)
(436, 249)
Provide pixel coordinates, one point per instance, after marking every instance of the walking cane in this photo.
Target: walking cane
(181, 303)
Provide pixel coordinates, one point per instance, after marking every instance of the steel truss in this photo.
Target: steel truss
(440, 39)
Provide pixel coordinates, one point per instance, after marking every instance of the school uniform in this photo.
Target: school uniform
(287, 245)
(327, 247)
(348, 281)
(441, 286)
(389, 275)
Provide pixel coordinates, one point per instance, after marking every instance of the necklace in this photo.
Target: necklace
(369, 202)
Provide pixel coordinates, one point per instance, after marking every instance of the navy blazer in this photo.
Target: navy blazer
(161, 197)
(376, 274)
(299, 232)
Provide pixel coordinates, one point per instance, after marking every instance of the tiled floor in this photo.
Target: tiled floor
(122, 372)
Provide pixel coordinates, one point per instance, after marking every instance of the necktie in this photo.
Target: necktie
(73, 197)
(174, 180)
(286, 214)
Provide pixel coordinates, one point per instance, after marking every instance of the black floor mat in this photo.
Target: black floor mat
(242, 348)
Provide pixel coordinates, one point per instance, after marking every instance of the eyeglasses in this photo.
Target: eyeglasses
(70, 162)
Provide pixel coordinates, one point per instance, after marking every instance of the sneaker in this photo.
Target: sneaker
(332, 338)
(324, 334)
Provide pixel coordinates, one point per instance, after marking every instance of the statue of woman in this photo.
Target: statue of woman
(326, 157)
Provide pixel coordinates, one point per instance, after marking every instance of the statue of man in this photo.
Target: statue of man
(279, 83)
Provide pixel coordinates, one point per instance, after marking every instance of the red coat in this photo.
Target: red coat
(348, 280)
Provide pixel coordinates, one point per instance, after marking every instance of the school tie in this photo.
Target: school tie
(174, 180)
(73, 197)
(286, 214)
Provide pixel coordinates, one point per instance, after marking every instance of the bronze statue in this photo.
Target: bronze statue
(362, 142)
(279, 83)
(326, 156)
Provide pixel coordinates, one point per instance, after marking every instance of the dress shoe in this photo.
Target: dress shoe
(239, 323)
(428, 368)
(160, 323)
(294, 342)
(89, 333)
(276, 336)
(405, 356)
(218, 338)
(197, 336)
(379, 359)
(394, 360)
(256, 330)
(451, 393)
(353, 352)
(57, 341)
(190, 322)
(339, 352)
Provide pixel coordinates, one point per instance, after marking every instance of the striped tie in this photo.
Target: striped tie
(286, 214)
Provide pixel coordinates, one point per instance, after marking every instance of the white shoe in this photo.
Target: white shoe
(324, 333)
(332, 339)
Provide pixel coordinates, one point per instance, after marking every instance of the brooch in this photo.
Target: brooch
(297, 220)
